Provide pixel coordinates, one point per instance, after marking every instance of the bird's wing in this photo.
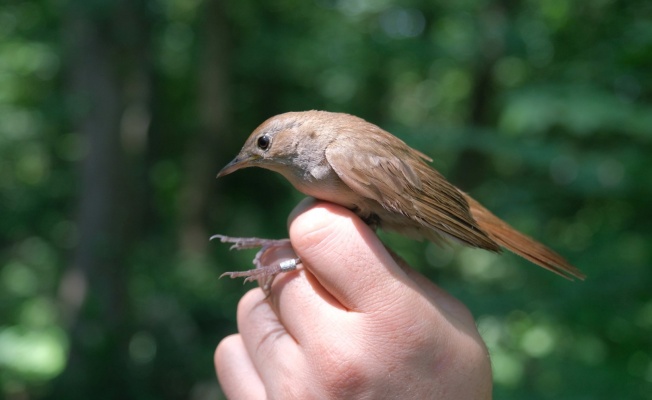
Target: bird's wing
(402, 183)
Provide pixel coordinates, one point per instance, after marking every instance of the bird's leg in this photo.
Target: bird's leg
(280, 254)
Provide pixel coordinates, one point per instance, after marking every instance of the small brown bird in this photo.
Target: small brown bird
(346, 160)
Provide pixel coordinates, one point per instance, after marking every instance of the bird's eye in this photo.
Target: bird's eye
(263, 142)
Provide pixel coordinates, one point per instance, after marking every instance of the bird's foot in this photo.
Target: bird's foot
(273, 258)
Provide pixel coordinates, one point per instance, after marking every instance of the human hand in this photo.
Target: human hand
(352, 323)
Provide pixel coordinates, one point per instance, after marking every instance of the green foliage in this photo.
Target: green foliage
(541, 109)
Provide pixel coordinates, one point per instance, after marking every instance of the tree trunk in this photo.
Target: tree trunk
(106, 111)
(206, 152)
(472, 162)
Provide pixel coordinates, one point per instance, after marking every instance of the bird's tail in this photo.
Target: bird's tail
(520, 244)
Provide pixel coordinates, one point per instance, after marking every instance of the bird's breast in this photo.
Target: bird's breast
(323, 183)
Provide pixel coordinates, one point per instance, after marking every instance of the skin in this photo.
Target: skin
(351, 323)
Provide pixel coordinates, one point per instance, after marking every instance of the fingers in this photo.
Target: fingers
(235, 370)
(266, 341)
(350, 310)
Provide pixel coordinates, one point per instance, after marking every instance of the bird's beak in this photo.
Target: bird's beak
(236, 164)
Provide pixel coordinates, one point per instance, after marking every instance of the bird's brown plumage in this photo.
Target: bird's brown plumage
(349, 161)
(403, 184)
(521, 244)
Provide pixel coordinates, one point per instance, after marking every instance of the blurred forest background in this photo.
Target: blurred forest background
(115, 117)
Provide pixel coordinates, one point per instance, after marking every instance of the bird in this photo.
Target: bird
(343, 159)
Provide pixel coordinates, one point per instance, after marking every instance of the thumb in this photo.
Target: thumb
(344, 255)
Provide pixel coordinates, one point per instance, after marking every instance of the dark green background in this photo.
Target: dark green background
(116, 115)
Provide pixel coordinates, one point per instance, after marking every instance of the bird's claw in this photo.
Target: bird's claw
(263, 273)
